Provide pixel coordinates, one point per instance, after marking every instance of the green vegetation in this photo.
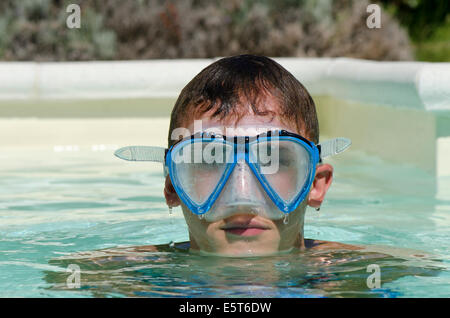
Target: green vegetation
(36, 30)
(146, 29)
(437, 47)
(428, 24)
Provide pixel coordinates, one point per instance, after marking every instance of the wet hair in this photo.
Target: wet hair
(235, 86)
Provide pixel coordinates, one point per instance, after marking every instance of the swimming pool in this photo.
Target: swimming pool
(66, 201)
(61, 198)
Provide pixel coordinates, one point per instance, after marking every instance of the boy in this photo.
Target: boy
(236, 200)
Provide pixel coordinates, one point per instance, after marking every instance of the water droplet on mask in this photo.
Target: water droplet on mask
(172, 244)
(286, 219)
(201, 216)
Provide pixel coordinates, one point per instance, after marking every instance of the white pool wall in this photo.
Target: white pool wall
(407, 84)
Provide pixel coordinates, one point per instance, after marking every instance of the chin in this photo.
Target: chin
(244, 249)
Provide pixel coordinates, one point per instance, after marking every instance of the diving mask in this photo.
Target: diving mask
(216, 176)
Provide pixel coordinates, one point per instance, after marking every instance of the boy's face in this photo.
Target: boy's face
(244, 233)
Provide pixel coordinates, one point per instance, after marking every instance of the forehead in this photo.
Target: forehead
(246, 126)
(249, 124)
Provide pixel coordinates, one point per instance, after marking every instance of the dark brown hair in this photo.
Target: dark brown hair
(232, 85)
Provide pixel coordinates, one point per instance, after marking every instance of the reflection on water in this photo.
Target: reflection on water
(176, 272)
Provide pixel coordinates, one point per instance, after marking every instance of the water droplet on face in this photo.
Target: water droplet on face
(170, 215)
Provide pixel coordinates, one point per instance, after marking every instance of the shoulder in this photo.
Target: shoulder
(327, 245)
(162, 247)
(109, 256)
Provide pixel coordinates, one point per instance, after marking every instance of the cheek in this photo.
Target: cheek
(201, 230)
(195, 225)
(204, 181)
(295, 221)
(284, 182)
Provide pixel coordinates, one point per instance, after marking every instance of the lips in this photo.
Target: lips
(244, 226)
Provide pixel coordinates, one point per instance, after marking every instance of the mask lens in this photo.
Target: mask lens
(199, 166)
(284, 164)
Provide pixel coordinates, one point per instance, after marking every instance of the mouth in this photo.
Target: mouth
(244, 226)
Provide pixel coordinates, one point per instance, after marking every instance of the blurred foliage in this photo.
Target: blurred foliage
(437, 47)
(36, 30)
(428, 23)
(146, 29)
(421, 17)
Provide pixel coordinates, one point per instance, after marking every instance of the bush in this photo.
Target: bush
(36, 30)
(147, 29)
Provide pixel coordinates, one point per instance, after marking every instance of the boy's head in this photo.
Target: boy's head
(249, 94)
(233, 87)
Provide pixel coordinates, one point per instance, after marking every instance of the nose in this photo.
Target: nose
(242, 186)
(242, 179)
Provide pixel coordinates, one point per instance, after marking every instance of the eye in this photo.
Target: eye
(286, 162)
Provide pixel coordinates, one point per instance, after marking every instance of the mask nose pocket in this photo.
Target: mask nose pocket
(242, 187)
(243, 194)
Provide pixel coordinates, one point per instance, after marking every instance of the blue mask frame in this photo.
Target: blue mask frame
(238, 154)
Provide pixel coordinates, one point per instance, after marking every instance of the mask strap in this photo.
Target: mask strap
(143, 153)
(333, 147)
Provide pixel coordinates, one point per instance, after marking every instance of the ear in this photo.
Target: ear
(321, 183)
(170, 194)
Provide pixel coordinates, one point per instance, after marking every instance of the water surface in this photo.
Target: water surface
(54, 206)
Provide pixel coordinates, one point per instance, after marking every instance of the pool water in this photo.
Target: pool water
(55, 205)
